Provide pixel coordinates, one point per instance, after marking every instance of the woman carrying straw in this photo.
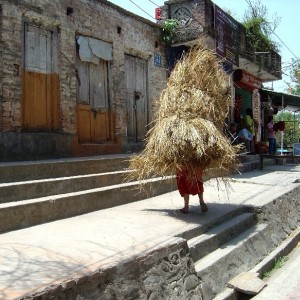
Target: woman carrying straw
(191, 184)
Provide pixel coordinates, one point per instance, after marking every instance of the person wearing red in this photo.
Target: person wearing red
(191, 183)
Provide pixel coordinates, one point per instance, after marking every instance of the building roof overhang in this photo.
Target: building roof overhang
(282, 100)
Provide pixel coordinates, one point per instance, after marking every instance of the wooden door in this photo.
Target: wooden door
(40, 83)
(93, 119)
(137, 100)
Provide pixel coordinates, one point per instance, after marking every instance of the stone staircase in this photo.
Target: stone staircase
(234, 243)
(225, 247)
(241, 240)
(227, 243)
(36, 192)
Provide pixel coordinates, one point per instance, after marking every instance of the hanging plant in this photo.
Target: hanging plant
(168, 30)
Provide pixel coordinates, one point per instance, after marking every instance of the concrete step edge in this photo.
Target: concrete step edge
(220, 234)
(26, 213)
(238, 255)
(229, 247)
(25, 190)
(199, 230)
(266, 264)
(60, 168)
(128, 185)
(67, 159)
(6, 184)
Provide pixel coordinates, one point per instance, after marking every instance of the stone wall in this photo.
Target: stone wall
(195, 18)
(1, 64)
(282, 216)
(129, 34)
(166, 272)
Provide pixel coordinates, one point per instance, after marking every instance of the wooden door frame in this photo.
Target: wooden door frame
(109, 130)
(146, 96)
(52, 76)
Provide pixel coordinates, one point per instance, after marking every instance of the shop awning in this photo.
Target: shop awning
(245, 80)
(290, 102)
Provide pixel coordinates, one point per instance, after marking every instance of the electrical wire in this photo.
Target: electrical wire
(142, 9)
(153, 3)
(285, 45)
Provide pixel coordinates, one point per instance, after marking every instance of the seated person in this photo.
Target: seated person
(245, 137)
(232, 133)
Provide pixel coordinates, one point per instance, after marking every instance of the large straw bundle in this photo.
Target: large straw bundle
(188, 130)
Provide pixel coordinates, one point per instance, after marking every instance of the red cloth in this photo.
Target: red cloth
(189, 184)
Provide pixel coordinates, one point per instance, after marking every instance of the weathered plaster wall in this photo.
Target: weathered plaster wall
(95, 18)
(11, 61)
(1, 65)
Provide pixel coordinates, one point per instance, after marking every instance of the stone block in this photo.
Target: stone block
(247, 283)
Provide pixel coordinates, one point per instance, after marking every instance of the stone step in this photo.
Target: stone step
(248, 158)
(24, 213)
(42, 169)
(265, 265)
(239, 254)
(217, 236)
(23, 190)
(248, 166)
(33, 170)
(216, 217)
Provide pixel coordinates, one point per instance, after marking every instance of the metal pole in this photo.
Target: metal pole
(282, 106)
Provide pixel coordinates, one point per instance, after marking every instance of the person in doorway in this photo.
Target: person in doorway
(248, 121)
(191, 183)
(245, 137)
(249, 124)
(271, 136)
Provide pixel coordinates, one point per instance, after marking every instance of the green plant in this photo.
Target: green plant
(255, 36)
(280, 262)
(168, 30)
(258, 27)
(277, 265)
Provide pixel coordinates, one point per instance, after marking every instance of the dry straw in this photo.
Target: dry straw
(188, 128)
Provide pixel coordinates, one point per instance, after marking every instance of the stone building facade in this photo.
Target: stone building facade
(76, 78)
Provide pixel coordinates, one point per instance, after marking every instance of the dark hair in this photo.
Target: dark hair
(270, 118)
(249, 112)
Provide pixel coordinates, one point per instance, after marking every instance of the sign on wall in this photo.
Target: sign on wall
(157, 60)
(227, 36)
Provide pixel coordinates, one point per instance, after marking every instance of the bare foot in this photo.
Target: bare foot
(204, 207)
(184, 210)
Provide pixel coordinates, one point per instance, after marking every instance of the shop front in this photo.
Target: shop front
(247, 96)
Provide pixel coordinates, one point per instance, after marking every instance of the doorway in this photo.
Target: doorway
(93, 117)
(137, 97)
(40, 105)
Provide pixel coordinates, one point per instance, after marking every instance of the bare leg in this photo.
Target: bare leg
(186, 199)
(203, 206)
(201, 200)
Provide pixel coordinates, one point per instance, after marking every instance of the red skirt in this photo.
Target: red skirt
(189, 184)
